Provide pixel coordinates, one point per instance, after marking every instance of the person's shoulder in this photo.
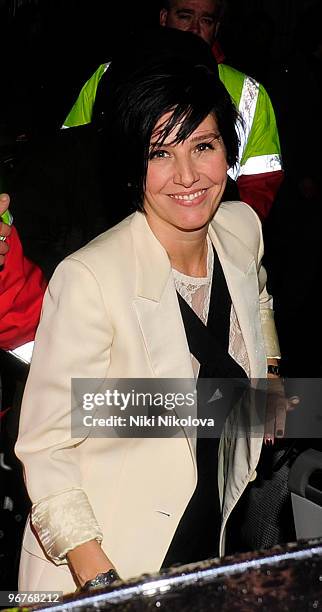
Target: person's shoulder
(239, 219)
(229, 74)
(238, 214)
(105, 258)
(108, 244)
(237, 209)
(233, 78)
(97, 75)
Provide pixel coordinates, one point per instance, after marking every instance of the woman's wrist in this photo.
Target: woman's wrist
(88, 561)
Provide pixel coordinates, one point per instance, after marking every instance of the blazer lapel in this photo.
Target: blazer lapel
(240, 272)
(157, 309)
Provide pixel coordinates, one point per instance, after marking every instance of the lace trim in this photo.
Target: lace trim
(196, 290)
(237, 348)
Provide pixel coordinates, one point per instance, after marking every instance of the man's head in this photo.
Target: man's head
(202, 17)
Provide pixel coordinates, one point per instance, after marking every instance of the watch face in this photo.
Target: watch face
(101, 580)
(273, 369)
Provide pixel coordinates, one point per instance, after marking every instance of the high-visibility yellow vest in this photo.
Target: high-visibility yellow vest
(259, 149)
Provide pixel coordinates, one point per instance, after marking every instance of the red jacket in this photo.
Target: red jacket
(22, 286)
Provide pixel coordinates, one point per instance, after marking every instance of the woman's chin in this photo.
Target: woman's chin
(194, 222)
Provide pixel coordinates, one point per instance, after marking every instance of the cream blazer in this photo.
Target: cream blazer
(111, 310)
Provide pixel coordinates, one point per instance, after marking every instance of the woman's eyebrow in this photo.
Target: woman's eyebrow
(203, 136)
(193, 140)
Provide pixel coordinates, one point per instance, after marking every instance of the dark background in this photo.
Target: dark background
(50, 47)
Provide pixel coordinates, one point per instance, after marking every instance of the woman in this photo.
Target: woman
(112, 311)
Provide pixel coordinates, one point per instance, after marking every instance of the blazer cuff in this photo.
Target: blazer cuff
(64, 521)
(272, 347)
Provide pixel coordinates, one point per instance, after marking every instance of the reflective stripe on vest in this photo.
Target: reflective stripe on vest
(261, 164)
(23, 352)
(247, 108)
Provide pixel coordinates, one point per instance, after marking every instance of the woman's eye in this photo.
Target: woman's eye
(215, 144)
(159, 154)
(205, 146)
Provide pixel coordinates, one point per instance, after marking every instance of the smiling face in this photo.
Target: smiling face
(197, 16)
(185, 181)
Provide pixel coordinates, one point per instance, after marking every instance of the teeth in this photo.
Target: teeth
(188, 197)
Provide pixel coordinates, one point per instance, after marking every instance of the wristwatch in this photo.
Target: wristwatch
(101, 580)
(273, 369)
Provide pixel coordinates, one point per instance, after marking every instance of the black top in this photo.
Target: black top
(197, 535)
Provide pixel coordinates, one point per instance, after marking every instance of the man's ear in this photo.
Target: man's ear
(163, 17)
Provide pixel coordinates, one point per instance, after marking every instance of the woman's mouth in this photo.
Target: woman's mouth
(195, 197)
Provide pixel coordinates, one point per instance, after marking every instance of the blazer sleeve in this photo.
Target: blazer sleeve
(73, 340)
(271, 342)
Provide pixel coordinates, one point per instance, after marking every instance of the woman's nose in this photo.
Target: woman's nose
(186, 173)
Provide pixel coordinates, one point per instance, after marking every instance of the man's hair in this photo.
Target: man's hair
(220, 7)
(188, 88)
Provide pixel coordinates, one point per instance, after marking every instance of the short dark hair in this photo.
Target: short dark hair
(187, 88)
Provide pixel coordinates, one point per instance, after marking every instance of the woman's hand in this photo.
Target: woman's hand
(87, 561)
(277, 407)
